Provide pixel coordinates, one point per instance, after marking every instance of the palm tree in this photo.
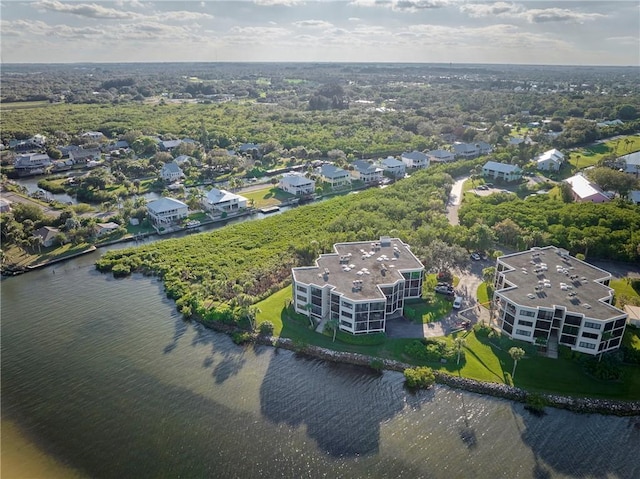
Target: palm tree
(459, 342)
(516, 354)
(333, 324)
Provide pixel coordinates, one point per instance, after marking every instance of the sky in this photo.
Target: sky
(562, 32)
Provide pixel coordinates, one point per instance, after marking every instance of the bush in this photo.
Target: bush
(420, 377)
(241, 337)
(535, 403)
(608, 368)
(266, 328)
(121, 270)
(377, 364)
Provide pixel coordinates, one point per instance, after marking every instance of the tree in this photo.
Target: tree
(459, 342)
(609, 179)
(516, 354)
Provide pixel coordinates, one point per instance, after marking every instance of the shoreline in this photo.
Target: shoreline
(582, 405)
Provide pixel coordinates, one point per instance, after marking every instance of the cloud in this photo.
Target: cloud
(534, 15)
(285, 3)
(312, 24)
(628, 40)
(403, 5)
(90, 10)
(181, 16)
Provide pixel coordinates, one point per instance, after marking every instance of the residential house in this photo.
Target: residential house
(67, 149)
(366, 172)
(415, 159)
(361, 285)
(82, 156)
(31, 164)
(250, 149)
(583, 190)
(471, 150)
(631, 163)
(550, 160)
(440, 156)
(393, 167)
(93, 136)
(297, 184)
(171, 172)
(168, 145)
(165, 211)
(36, 142)
(608, 123)
(334, 175)
(103, 229)
(544, 295)
(47, 234)
(183, 159)
(501, 171)
(222, 201)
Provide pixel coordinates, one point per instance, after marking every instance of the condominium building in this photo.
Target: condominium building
(361, 285)
(546, 294)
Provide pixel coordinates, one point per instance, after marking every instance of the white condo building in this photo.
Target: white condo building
(545, 293)
(361, 285)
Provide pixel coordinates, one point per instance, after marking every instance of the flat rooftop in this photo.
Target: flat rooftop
(369, 263)
(548, 277)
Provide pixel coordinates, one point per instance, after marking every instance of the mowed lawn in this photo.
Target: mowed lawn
(591, 155)
(483, 360)
(269, 196)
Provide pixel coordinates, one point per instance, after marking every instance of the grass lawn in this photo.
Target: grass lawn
(629, 291)
(422, 312)
(21, 257)
(593, 154)
(269, 196)
(20, 105)
(483, 294)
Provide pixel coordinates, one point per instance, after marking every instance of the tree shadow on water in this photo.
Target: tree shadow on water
(341, 406)
(180, 327)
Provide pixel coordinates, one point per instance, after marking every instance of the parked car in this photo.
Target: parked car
(475, 256)
(457, 302)
(444, 289)
(483, 187)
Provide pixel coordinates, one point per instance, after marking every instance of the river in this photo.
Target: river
(102, 378)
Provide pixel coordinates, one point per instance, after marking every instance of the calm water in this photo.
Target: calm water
(104, 376)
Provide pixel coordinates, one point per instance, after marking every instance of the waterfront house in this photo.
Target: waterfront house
(47, 235)
(82, 156)
(103, 229)
(361, 285)
(166, 211)
(171, 172)
(334, 176)
(222, 201)
(548, 296)
(501, 171)
(584, 190)
(366, 172)
(31, 164)
(297, 184)
(393, 167)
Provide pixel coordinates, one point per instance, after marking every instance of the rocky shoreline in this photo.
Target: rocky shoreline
(575, 404)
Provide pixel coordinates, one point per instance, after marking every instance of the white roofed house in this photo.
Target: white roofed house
(501, 171)
(334, 175)
(168, 145)
(471, 150)
(47, 234)
(583, 190)
(393, 167)
(631, 163)
(93, 136)
(222, 201)
(415, 159)
(366, 172)
(171, 172)
(166, 211)
(550, 160)
(440, 156)
(82, 156)
(297, 184)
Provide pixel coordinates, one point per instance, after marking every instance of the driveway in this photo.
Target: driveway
(455, 197)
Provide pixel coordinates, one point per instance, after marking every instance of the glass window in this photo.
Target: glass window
(592, 325)
(523, 332)
(586, 345)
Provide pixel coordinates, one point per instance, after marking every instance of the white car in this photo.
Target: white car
(457, 302)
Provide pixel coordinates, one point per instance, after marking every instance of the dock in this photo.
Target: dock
(269, 209)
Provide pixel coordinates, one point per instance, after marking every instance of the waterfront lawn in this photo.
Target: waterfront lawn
(269, 196)
(627, 290)
(23, 258)
(423, 311)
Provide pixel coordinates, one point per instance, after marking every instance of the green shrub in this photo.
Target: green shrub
(535, 403)
(241, 337)
(508, 380)
(266, 328)
(377, 364)
(121, 270)
(420, 377)
(608, 368)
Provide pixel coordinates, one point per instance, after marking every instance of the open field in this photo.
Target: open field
(22, 105)
(590, 156)
(269, 196)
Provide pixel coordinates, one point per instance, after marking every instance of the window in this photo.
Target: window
(347, 305)
(586, 345)
(592, 325)
(590, 335)
(525, 323)
(524, 312)
(302, 289)
(523, 332)
(301, 298)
